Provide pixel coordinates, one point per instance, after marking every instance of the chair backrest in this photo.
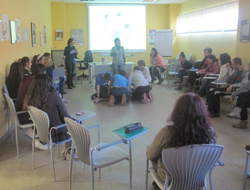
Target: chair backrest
(177, 56)
(88, 56)
(11, 106)
(82, 139)
(5, 90)
(188, 165)
(41, 122)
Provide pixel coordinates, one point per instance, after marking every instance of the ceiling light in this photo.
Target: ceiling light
(153, 1)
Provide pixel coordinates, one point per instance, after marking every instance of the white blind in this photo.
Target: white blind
(216, 19)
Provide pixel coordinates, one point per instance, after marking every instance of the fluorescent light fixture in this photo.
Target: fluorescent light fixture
(153, 1)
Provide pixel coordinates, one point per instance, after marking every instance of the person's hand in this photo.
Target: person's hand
(231, 99)
(229, 89)
(228, 67)
(117, 52)
(96, 100)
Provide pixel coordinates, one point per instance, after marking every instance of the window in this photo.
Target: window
(217, 19)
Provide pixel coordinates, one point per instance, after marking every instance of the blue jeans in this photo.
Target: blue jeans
(118, 92)
(117, 68)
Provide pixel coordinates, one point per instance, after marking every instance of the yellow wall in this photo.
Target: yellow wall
(76, 17)
(27, 11)
(242, 48)
(195, 43)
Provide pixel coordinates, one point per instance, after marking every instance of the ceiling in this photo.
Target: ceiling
(123, 1)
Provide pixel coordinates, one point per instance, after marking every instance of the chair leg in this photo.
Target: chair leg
(246, 173)
(146, 180)
(100, 173)
(33, 148)
(17, 149)
(52, 158)
(211, 179)
(92, 177)
(70, 166)
(58, 150)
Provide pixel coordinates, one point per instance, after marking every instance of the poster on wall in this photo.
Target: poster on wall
(6, 35)
(77, 35)
(41, 39)
(1, 31)
(244, 31)
(18, 30)
(58, 34)
(25, 34)
(151, 37)
(33, 34)
(45, 34)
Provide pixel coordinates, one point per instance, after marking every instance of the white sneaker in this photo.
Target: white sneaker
(29, 133)
(40, 146)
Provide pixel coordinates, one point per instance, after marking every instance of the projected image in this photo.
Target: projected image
(109, 22)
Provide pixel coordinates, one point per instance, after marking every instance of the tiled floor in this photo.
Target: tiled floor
(19, 173)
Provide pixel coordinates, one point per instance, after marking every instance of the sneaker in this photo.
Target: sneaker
(63, 92)
(241, 125)
(150, 97)
(160, 81)
(123, 102)
(40, 145)
(93, 96)
(65, 100)
(29, 133)
(111, 101)
(145, 98)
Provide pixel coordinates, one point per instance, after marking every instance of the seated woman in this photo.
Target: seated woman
(188, 124)
(38, 59)
(26, 63)
(225, 66)
(14, 78)
(238, 79)
(120, 90)
(212, 68)
(243, 102)
(42, 95)
(141, 86)
(186, 65)
(157, 65)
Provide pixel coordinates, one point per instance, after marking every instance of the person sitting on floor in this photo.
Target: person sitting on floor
(140, 85)
(144, 70)
(188, 124)
(238, 79)
(212, 68)
(243, 102)
(14, 78)
(42, 95)
(120, 90)
(102, 86)
(25, 61)
(186, 65)
(157, 66)
(225, 65)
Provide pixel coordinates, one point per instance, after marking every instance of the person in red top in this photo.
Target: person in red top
(157, 65)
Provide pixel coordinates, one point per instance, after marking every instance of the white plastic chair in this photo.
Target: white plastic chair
(41, 124)
(97, 156)
(188, 166)
(14, 119)
(247, 171)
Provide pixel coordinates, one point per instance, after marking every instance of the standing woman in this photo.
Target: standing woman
(157, 65)
(14, 78)
(118, 54)
(70, 53)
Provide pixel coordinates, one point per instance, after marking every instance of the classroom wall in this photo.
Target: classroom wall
(27, 11)
(76, 17)
(195, 43)
(242, 48)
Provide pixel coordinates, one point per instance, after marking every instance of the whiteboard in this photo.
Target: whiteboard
(163, 42)
(57, 57)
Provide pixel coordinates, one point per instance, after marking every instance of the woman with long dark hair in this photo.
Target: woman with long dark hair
(188, 124)
(157, 65)
(42, 95)
(26, 63)
(70, 53)
(14, 78)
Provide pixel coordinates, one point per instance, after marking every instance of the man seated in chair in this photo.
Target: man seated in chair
(102, 86)
(238, 79)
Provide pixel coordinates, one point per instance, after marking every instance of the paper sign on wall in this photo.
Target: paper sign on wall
(18, 30)
(6, 34)
(1, 31)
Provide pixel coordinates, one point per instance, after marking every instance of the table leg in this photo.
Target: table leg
(130, 164)
(91, 76)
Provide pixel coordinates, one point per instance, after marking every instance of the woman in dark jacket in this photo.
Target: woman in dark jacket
(42, 95)
(70, 53)
(14, 78)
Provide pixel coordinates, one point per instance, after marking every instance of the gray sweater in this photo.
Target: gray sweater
(231, 78)
(118, 59)
(242, 89)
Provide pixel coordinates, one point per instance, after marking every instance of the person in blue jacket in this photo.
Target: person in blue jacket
(70, 53)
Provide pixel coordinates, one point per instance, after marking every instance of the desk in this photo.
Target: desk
(106, 67)
(128, 137)
(81, 118)
(219, 83)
